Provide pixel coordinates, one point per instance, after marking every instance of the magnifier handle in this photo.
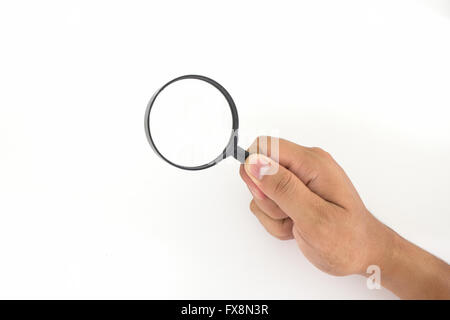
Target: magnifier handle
(240, 154)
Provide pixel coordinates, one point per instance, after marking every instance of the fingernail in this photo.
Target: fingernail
(258, 166)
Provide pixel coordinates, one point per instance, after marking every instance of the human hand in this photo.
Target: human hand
(307, 196)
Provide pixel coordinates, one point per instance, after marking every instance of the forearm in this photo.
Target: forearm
(412, 273)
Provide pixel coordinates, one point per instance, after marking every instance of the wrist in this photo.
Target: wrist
(381, 247)
(412, 273)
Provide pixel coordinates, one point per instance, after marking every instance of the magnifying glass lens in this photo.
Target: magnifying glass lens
(190, 122)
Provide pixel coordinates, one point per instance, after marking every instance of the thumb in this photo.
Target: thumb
(282, 186)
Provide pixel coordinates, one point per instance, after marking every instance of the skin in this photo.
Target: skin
(307, 196)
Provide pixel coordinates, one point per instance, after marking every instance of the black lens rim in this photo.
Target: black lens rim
(232, 143)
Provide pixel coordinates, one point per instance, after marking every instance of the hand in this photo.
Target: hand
(308, 196)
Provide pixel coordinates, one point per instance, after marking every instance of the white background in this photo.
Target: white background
(87, 210)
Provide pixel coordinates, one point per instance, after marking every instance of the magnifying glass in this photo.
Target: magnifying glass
(192, 123)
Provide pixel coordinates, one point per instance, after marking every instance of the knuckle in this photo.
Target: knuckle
(282, 231)
(320, 152)
(317, 150)
(264, 145)
(284, 237)
(277, 214)
(259, 139)
(284, 185)
(259, 145)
